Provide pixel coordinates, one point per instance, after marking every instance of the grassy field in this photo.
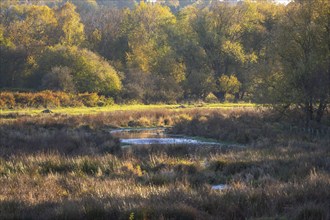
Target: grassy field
(95, 110)
(67, 166)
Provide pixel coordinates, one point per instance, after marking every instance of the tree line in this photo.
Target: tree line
(171, 51)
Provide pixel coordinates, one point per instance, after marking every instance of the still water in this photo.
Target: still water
(148, 136)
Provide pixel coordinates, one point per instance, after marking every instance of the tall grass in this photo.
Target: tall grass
(249, 126)
(69, 167)
(81, 109)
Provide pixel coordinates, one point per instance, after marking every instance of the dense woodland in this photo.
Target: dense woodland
(170, 51)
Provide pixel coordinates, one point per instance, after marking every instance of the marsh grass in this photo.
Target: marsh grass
(249, 126)
(129, 118)
(69, 167)
(108, 185)
(116, 107)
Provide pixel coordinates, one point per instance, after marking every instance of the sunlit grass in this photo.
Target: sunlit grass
(262, 182)
(68, 166)
(94, 110)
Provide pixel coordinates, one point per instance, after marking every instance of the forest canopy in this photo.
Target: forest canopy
(171, 50)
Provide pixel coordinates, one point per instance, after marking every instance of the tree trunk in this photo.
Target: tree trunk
(242, 95)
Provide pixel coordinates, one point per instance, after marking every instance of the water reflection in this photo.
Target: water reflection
(220, 187)
(160, 141)
(154, 136)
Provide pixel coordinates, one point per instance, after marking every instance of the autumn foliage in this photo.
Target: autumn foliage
(46, 99)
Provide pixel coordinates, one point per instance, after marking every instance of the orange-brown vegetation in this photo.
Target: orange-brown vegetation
(46, 99)
(57, 166)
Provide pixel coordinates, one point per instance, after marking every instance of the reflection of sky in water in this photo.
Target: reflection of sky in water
(153, 136)
(142, 141)
(220, 187)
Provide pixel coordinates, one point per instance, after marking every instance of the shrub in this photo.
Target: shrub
(45, 99)
(211, 98)
(85, 69)
(64, 98)
(229, 98)
(2, 104)
(7, 100)
(23, 99)
(141, 122)
(103, 101)
(89, 99)
(48, 98)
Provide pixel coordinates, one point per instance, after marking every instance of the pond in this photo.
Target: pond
(147, 136)
(161, 136)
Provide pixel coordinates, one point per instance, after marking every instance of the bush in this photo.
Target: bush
(65, 99)
(229, 98)
(141, 122)
(7, 100)
(48, 98)
(89, 99)
(66, 66)
(103, 101)
(45, 99)
(211, 98)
